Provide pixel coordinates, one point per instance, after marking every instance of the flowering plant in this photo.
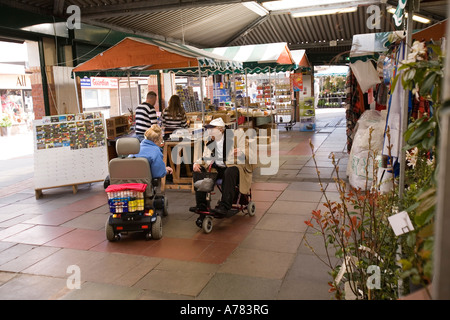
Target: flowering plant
(422, 73)
(356, 230)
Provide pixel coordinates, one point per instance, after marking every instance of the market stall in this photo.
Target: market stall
(264, 85)
(373, 86)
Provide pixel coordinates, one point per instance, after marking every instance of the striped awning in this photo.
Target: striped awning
(260, 58)
(136, 56)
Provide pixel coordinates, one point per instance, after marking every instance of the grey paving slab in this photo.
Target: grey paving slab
(175, 282)
(27, 259)
(283, 222)
(32, 287)
(270, 240)
(304, 196)
(225, 286)
(96, 266)
(307, 279)
(102, 291)
(292, 207)
(257, 263)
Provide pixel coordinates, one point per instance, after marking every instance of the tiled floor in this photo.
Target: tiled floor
(260, 257)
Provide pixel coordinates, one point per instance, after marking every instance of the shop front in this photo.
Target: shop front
(16, 113)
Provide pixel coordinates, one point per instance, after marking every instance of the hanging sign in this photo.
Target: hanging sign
(398, 15)
(297, 82)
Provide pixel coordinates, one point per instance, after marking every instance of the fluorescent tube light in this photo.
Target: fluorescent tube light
(256, 8)
(299, 14)
(415, 16)
(295, 4)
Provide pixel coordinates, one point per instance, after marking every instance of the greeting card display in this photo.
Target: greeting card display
(69, 150)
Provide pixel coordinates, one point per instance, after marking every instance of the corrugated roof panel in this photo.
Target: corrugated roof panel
(207, 26)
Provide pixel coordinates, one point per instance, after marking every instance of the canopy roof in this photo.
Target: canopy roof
(332, 71)
(136, 56)
(262, 58)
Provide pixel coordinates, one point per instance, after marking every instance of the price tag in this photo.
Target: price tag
(401, 223)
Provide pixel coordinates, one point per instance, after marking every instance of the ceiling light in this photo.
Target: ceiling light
(415, 17)
(294, 4)
(256, 8)
(298, 14)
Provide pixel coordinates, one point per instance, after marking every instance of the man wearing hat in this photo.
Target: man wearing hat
(229, 157)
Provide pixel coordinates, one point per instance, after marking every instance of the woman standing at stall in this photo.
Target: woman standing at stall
(173, 117)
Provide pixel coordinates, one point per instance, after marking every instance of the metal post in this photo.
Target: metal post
(404, 111)
(44, 78)
(441, 256)
(201, 93)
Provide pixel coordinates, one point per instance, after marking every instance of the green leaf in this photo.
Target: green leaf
(412, 207)
(406, 264)
(427, 84)
(421, 132)
(394, 82)
(428, 143)
(424, 217)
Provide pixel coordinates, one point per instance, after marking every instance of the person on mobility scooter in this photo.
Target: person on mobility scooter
(227, 154)
(138, 167)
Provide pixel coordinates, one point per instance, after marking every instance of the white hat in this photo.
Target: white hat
(218, 122)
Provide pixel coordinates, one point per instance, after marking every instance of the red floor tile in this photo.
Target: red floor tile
(134, 243)
(217, 252)
(78, 239)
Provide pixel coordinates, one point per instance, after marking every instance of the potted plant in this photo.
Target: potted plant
(5, 125)
(360, 246)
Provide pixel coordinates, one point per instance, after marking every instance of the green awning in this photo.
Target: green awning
(259, 58)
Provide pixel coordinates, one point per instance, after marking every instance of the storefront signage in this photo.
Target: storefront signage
(99, 83)
(10, 81)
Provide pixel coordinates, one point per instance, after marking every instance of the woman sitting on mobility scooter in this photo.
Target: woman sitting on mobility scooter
(150, 149)
(230, 158)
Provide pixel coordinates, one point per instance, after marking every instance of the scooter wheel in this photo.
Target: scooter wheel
(166, 207)
(251, 208)
(157, 228)
(109, 230)
(207, 224)
(199, 222)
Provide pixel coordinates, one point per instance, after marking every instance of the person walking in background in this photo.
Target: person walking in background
(173, 117)
(146, 115)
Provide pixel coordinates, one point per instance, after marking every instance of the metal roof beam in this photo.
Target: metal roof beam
(113, 10)
(58, 7)
(245, 30)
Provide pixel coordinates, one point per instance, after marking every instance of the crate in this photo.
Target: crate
(126, 201)
(117, 126)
